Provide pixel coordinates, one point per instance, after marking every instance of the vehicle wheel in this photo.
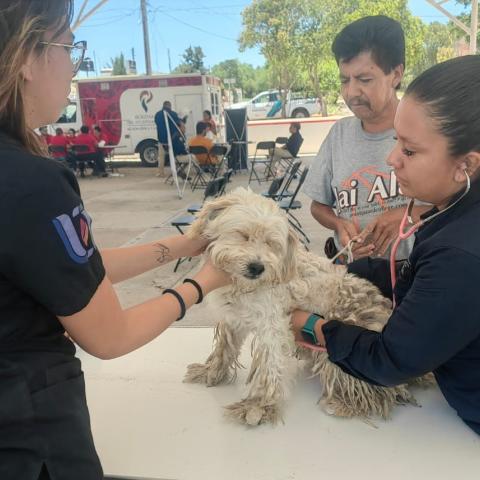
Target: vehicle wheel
(148, 153)
(300, 113)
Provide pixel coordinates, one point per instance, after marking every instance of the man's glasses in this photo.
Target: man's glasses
(77, 52)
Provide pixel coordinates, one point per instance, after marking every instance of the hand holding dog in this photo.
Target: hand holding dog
(298, 321)
(210, 278)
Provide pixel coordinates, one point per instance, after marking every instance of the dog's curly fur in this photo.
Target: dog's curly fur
(248, 230)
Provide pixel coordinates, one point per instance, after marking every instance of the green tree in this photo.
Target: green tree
(117, 65)
(251, 80)
(437, 45)
(296, 36)
(192, 61)
(271, 25)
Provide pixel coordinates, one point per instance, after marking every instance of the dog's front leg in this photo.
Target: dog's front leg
(268, 377)
(221, 365)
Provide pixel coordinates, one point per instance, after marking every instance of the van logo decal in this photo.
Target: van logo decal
(145, 98)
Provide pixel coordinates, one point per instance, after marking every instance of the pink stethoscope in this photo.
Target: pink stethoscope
(402, 235)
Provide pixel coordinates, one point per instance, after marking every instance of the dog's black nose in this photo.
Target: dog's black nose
(255, 269)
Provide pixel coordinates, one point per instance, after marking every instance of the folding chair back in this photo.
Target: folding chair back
(264, 146)
(56, 149)
(199, 175)
(290, 176)
(288, 205)
(219, 151)
(213, 188)
(80, 149)
(275, 187)
(267, 163)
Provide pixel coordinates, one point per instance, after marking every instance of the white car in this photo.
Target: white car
(261, 106)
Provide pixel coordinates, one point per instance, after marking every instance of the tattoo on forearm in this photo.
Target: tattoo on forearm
(163, 253)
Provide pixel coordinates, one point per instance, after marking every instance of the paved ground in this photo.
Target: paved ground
(138, 207)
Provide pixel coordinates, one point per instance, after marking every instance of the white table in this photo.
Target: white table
(148, 424)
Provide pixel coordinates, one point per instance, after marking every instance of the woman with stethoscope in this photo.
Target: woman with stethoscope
(435, 324)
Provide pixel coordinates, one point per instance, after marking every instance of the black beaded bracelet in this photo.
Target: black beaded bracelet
(197, 286)
(183, 308)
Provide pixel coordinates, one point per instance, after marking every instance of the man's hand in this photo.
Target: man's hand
(381, 232)
(346, 231)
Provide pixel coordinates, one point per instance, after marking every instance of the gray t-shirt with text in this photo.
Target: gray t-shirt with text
(350, 174)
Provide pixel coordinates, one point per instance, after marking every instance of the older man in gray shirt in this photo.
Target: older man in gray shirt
(353, 189)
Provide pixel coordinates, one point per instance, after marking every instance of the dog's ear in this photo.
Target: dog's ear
(209, 212)
(290, 263)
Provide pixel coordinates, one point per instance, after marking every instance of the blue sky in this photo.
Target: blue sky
(175, 25)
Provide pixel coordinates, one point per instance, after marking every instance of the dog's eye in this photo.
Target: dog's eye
(244, 236)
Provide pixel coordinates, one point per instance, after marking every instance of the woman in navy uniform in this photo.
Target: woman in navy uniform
(52, 276)
(435, 326)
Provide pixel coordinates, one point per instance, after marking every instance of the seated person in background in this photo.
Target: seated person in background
(200, 140)
(291, 148)
(71, 134)
(61, 144)
(44, 135)
(212, 127)
(91, 154)
(102, 140)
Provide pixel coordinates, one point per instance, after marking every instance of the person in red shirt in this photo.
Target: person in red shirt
(90, 153)
(60, 142)
(102, 140)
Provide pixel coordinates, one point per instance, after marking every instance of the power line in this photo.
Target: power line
(198, 28)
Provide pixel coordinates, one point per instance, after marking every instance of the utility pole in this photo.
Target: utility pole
(146, 37)
(169, 61)
(474, 27)
(472, 31)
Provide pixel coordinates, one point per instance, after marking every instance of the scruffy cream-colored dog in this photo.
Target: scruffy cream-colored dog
(272, 275)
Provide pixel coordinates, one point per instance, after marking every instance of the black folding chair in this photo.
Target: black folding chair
(289, 204)
(265, 162)
(200, 178)
(219, 151)
(83, 158)
(291, 174)
(227, 176)
(214, 188)
(274, 187)
(57, 149)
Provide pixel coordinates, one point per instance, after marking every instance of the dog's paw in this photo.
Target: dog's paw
(251, 412)
(425, 381)
(205, 373)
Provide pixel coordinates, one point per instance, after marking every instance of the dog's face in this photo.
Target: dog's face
(250, 238)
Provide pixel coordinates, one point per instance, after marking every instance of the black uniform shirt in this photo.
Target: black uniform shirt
(49, 266)
(436, 324)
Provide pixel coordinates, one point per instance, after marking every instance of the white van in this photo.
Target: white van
(125, 106)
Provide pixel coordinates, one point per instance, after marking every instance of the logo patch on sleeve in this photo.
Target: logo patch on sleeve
(74, 231)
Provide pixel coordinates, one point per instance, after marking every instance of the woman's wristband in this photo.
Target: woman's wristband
(181, 302)
(197, 286)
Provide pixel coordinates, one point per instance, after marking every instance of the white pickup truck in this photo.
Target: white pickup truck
(261, 106)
